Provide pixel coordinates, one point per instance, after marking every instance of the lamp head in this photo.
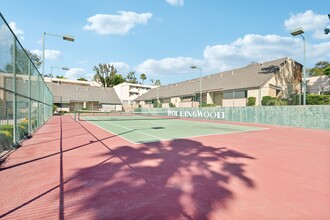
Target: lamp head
(297, 31)
(68, 38)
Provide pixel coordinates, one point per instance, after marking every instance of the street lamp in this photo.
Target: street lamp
(64, 37)
(200, 84)
(53, 67)
(300, 31)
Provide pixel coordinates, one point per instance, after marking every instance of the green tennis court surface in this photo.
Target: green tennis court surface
(142, 129)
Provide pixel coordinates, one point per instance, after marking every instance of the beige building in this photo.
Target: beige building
(318, 85)
(128, 92)
(71, 95)
(277, 78)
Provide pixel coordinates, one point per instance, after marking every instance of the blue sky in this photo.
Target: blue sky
(163, 38)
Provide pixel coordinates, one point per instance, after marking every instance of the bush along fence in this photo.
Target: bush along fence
(26, 103)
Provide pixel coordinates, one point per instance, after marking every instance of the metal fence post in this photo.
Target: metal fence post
(15, 127)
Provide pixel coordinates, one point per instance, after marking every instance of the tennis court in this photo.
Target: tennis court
(144, 128)
(76, 170)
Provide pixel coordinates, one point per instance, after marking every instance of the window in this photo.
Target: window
(237, 94)
(240, 94)
(227, 95)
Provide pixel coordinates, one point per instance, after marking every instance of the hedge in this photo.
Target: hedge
(312, 99)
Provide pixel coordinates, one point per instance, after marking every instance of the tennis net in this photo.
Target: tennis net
(86, 115)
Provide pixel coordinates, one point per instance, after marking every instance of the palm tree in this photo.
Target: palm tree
(143, 77)
(130, 78)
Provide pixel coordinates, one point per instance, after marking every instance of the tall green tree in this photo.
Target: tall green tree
(130, 78)
(321, 68)
(107, 75)
(143, 77)
(118, 79)
(82, 79)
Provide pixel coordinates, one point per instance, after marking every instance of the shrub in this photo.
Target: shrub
(274, 101)
(6, 140)
(208, 105)
(285, 101)
(157, 104)
(270, 101)
(265, 100)
(295, 99)
(172, 105)
(55, 108)
(6, 128)
(251, 101)
(318, 99)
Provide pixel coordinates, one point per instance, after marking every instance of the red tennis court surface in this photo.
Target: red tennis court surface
(72, 170)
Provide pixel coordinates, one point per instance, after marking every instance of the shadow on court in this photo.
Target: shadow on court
(176, 179)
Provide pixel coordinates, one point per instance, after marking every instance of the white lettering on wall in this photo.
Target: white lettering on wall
(196, 114)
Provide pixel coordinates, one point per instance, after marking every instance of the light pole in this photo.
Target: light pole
(200, 84)
(300, 31)
(53, 67)
(64, 37)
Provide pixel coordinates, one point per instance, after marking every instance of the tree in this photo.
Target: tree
(60, 77)
(327, 71)
(35, 58)
(82, 79)
(22, 61)
(118, 79)
(157, 82)
(107, 75)
(143, 77)
(130, 78)
(321, 68)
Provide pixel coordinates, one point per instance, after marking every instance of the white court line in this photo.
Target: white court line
(117, 134)
(129, 129)
(162, 139)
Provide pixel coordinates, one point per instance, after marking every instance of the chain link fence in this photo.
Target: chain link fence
(26, 103)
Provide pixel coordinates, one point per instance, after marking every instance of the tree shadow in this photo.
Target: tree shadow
(269, 69)
(177, 179)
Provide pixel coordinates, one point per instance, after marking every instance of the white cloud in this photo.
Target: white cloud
(239, 53)
(76, 73)
(18, 32)
(317, 52)
(250, 48)
(6, 37)
(49, 54)
(167, 66)
(310, 22)
(175, 2)
(121, 24)
(121, 67)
